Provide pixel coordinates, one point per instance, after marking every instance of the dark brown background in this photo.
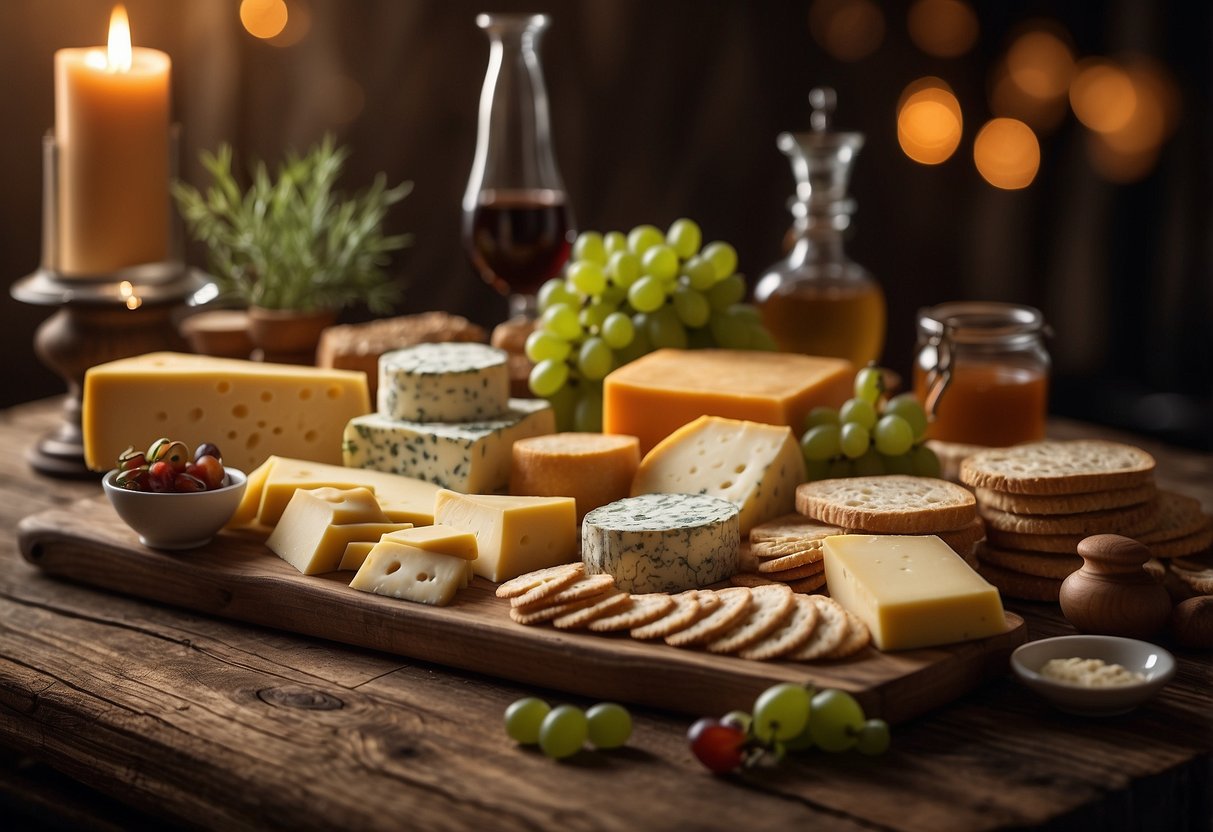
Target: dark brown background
(664, 109)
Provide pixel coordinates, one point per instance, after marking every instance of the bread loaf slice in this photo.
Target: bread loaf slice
(888, 505)
(1076, 467)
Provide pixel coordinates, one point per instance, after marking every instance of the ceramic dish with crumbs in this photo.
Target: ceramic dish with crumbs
(1147, 669)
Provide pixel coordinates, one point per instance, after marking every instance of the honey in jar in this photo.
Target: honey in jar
(982, 373)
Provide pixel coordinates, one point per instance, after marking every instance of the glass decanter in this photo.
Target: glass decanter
(517, 225)
(817, 300)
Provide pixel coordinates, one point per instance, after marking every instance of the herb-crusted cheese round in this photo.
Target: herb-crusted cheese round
(462, 382)
(662, 542)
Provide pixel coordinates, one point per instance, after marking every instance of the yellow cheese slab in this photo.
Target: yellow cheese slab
(399, 570)
(403, 499)
(318, 523)
(513, 534)
(250, 501)
(441, 539)
(656, 394)
(249, 409)
(911, 591)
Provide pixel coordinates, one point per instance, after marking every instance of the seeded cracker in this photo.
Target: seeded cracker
(830, 631)
(792, 634)
(857, 637)
(1127, 520)
(1041, 564)
(584, 587)
(548, 613)
(796, 572)
(812, 556)
(793, 528)
(734, 604)
(770, 606)
(612, 602)
(561, 575)
(684, 613)
(645, 609)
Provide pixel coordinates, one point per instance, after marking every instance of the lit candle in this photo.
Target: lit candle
(112, 134)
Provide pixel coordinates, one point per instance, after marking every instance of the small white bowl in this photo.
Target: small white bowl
(1150, 660)
(177, 521)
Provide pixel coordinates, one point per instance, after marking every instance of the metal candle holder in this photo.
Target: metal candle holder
(100, 317)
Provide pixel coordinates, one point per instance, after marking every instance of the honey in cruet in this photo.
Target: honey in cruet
(817, 300)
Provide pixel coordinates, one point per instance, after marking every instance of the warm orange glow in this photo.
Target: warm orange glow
(1006, 153)
(929, 121)
(263, 18)
(118, 52)
(944, 28)
(298, 22)
(1116, 165)
(1103, 96)
(1130, 152)
(1007, 98)
(1040, 63)
(848, 29)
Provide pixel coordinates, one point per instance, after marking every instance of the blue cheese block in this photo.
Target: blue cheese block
(444, 383)
(662, 542)
(472, 457)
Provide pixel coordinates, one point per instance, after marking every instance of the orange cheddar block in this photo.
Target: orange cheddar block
(656, 394)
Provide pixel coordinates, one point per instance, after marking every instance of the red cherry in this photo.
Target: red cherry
(209, 470)
(160, 477)
(185, 483)
(719, 747)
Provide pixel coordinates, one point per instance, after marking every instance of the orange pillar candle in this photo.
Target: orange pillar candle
(112, 136)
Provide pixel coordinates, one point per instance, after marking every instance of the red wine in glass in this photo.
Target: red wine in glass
(517, 239)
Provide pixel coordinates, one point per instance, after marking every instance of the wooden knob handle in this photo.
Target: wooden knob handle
(1113, 551)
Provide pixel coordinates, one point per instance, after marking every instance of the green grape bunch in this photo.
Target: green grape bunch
(868, 436)
(622, 296)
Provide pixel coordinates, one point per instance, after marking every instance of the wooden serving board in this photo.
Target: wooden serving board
(237, 577)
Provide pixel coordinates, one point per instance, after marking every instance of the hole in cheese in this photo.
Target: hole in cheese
(231, 434)
(310, 436)
(421, 576)
(161, 416)
(195, 414)
(524, 540)
(333, 392)
(267, 396)
(394, 566)
(223, 387)
(240, 411)
(254, 439)
(305, 394)
(740, 469)
(726, 484)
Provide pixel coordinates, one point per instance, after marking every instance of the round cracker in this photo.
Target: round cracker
(962, 539)
(1192, 544)
(1066, 503)
(830, 631)
(779, 548)
(802, 558)
(541, 614)
(796, 572)
(1200, 580)
(1129, 520)
(809, 584)
(1078, 466)
(734, 605)
(681, 615)
(857, 637)
(769, 607)
(794, 528)
(1042, 565)
(645, 609)
(790, 635)
(586, 586)
(892, 504)
(608, 604)
(1178, 516)
(551, 578)
(1065, 544)
(751, 579)
(1018, 584)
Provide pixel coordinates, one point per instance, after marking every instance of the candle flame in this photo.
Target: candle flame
(119, 56)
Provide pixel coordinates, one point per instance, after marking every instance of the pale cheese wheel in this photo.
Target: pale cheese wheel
(592, 468)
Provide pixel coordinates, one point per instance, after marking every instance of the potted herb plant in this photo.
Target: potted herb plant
(292, 249)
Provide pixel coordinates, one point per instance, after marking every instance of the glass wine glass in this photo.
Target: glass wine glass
(517, 225)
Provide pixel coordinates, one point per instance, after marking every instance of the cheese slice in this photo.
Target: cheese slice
(513, 534)
(911, 591)
(249, 409)
(438, 538)
(403, 499)
(754, 466)
(592, 468)
(658, 393)
(319, 523)
(250, 500)
(399, 570)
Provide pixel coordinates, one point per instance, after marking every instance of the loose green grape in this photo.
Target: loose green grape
(644, 237)
(924, 462)
(590, 246)
(684, 237)
(614, 241)
(587, 277)
(860, 411)
(835, 719)
(646, 294)
(816, 469)
(587, 414)
(781, 711)
(523, 718)
(594, 359)
(562, 732)
(840, 468)
(723, 258)
(547, 377)
(893, 435)
(726, 293)
(554, 291)
(608, 725)
(869, 384)
(821, 442)
(623, 268)
(870, 464)
(542, 345)
(701, 275)
(617, 330)
(854, 440)
(873, 738)
(561, 320)
(661, 262)
(692, 307)
(907, 406)
(665, 330)
(821, 415)
(899, 464)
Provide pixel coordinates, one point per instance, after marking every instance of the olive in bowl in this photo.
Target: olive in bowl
(176, 519)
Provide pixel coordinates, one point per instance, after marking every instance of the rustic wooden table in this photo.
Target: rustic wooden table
(117, 713)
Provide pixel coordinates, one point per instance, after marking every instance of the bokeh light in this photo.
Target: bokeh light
(1006, 153)
(341, 98)
(298, 23)
(929, 121)
(1040, 62)
(1129, 152)
(847, 29)
(943, 28)
(263, 19)
(1103, 95)
(1007, 98)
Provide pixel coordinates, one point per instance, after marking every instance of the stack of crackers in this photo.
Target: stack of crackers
(1039, 500)
(760, 623)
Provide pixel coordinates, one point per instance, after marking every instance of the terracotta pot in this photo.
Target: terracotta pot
(287, 337)
(219, 332)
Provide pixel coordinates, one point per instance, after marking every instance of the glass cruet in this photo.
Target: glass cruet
(817, 300)
(517, 224)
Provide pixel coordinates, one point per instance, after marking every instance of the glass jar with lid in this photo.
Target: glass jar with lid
(982, 372)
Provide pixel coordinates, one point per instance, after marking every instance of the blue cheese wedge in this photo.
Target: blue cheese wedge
(472, 457)
(461, 382)
(755, 466)
(662, 542)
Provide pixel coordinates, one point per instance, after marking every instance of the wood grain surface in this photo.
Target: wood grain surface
(189, 720)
